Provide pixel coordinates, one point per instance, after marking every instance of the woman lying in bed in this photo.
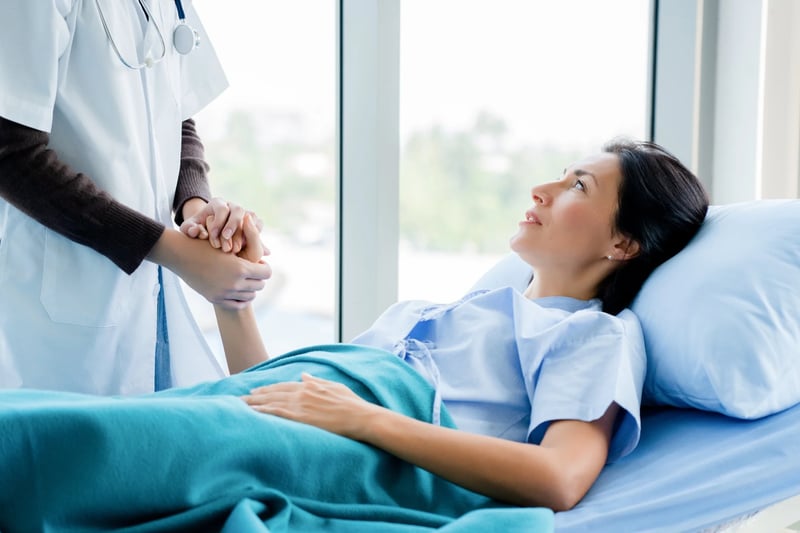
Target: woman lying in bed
(544, 385)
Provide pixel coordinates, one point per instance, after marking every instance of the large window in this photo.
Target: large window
(270, 141)
(495, 97)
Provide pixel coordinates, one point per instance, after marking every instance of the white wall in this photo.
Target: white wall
(727, 98)
(780, 101)
(737, 107)
(369, 68)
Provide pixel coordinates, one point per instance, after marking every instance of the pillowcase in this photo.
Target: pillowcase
(721, 319)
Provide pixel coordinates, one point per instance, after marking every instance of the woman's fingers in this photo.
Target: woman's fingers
(222, 223)
(282, 387)
(233, 227)
(287, 386)
(218, 209)
(329, 405)
(252, 248)
(257, 221)
(213, 239)
(194, 230)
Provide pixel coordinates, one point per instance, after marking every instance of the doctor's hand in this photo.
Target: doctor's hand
(223, 279)
(318, 402)
(220, 222)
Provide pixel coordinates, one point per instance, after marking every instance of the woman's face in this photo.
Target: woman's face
(571, 223)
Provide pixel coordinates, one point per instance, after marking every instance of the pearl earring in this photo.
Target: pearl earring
(609, 258)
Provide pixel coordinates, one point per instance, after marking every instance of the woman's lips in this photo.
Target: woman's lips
(531, 218)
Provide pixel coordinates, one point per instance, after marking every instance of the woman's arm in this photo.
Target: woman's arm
(556, 474)
(37, 182)
(241, 339)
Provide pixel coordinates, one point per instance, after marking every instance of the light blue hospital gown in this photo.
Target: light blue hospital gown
(507, 366)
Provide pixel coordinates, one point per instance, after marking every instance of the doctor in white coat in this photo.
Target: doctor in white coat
(98, 152)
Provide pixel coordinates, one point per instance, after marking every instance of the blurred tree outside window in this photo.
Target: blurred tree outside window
(497, 96)
(270, 142)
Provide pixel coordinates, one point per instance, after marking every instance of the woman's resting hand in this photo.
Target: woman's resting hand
(325, 404)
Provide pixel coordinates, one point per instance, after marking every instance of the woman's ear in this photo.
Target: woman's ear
(625, 248)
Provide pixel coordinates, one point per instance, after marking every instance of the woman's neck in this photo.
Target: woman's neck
(543, 285)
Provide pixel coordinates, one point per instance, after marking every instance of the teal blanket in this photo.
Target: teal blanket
(199, 459)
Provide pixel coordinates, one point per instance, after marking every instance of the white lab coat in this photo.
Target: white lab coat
(69, 318)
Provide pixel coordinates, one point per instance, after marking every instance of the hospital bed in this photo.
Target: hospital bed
(719, 448)
(697, 468)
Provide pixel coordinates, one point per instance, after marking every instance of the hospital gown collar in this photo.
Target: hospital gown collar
(567, 303)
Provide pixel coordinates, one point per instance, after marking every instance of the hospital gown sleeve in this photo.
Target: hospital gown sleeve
(594, 359)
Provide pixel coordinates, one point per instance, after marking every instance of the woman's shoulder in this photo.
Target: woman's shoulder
(567, 321)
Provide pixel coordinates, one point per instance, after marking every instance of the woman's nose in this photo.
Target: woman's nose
(539, 195)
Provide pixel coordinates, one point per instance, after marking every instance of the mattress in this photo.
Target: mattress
(696, 471)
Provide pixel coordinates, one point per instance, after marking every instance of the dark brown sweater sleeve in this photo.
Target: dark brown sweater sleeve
(193, 176)
(36, 182)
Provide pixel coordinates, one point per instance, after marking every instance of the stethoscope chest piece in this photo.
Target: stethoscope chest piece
(185, 38)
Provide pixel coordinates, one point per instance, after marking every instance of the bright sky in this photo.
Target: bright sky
(561, 72)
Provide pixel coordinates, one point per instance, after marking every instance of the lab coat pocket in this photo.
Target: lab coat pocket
(80, 286)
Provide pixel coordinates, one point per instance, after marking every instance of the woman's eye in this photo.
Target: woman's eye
(579, 185)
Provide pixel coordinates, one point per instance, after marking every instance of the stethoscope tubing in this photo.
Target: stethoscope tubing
(149, 62)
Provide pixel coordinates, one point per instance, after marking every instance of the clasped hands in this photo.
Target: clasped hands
(227, 227)
(232, 275)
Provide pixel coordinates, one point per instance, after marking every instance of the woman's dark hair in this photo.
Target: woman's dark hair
(662, 205)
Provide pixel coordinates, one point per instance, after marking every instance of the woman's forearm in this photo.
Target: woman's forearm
(241, 339)
(556, 474)
(35, 180)
(499, 469)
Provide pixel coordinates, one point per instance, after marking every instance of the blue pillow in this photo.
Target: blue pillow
(721, 319)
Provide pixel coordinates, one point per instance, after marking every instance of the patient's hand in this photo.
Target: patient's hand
(221, 223)
(251, 247)
(325, 404)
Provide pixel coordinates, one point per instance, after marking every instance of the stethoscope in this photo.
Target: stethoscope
(184, 37)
